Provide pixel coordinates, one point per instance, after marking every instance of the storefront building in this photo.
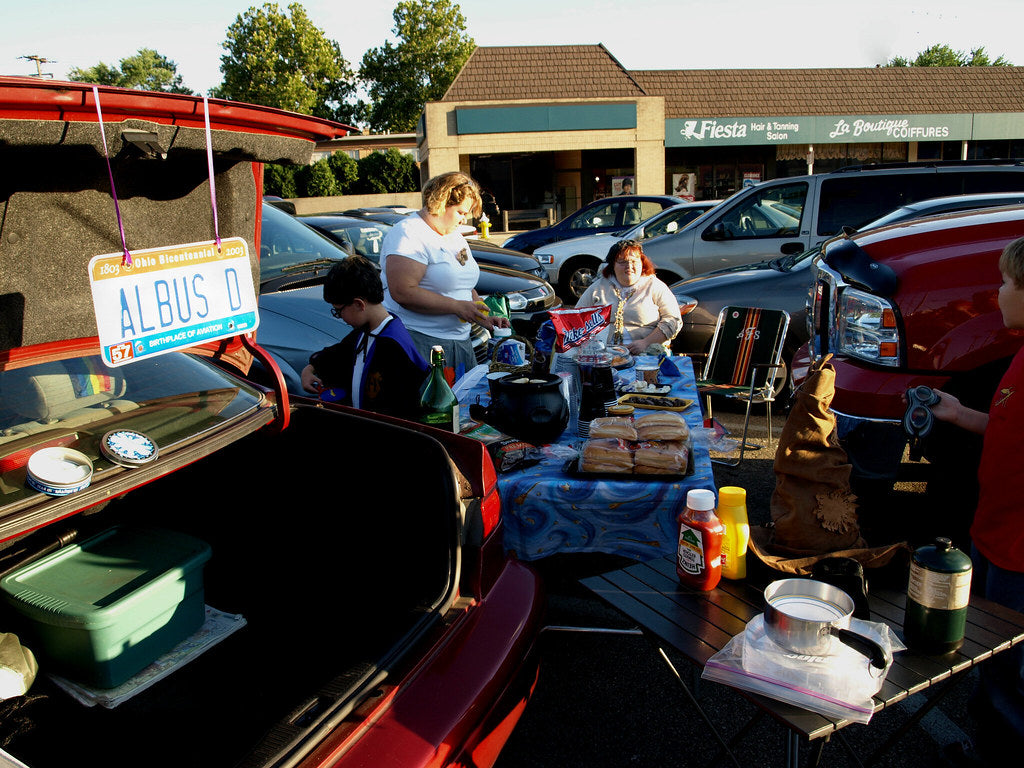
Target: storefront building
(563, 125)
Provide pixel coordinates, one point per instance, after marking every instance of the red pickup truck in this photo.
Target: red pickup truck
(906, 305)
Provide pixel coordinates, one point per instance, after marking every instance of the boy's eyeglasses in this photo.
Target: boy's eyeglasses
(336, 311)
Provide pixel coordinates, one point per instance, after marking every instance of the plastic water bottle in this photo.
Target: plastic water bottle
(732, 511)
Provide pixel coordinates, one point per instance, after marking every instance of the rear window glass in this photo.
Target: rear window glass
(75, 401)
(859, 199)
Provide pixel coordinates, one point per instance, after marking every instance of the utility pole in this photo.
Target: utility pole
(39, 60)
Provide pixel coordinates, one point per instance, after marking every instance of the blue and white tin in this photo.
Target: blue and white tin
(128, 447)
(59, 471)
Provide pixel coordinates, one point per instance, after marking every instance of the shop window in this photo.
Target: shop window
(988, 150)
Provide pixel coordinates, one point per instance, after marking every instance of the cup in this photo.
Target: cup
(511, 353)
(493, 377)
(648, 373)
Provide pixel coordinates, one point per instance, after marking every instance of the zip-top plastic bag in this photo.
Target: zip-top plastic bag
(840, 684)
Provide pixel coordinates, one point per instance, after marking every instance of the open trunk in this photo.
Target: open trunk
(337, 563)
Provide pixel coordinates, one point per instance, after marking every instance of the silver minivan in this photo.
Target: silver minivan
(790, 215)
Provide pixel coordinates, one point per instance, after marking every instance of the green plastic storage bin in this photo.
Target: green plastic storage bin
(100, 611)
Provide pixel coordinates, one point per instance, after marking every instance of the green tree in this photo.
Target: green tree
(432, 47)
(346, 171)
(944, 56)
(285, 61)
(281, 180)
(388, 171)
(147, 70)
(320, 180)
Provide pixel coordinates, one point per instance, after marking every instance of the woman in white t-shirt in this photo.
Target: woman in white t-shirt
(430, 275)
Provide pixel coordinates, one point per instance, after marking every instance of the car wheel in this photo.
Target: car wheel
(577, 275)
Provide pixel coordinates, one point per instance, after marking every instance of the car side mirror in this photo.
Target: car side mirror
(715, 232)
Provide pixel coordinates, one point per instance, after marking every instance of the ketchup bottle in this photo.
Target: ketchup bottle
(699, 555)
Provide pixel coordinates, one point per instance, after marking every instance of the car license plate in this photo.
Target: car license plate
(171, 298)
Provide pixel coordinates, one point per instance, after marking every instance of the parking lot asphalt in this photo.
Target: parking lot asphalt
(607, 700)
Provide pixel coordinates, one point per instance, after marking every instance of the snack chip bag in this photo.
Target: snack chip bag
(575, 327)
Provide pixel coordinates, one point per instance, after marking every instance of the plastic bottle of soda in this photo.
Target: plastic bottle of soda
(732, 511)
(699, 554)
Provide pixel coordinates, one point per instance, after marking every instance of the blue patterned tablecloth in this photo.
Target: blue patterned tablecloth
(548, 511)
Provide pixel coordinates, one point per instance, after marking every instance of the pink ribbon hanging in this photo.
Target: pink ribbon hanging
(126, 260)
(209, 165)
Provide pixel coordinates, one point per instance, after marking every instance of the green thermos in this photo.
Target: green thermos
(937, 597)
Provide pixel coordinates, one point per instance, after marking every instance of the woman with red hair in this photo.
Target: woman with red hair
(645, 314)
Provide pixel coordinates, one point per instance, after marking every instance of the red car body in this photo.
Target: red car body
(947, 331)
(450, 689)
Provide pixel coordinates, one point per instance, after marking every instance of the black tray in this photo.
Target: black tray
(572, 469)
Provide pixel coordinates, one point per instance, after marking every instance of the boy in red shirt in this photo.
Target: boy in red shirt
(997, 533)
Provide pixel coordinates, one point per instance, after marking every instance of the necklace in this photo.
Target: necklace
(623, 297)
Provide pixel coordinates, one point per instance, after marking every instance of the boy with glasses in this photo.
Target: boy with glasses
(376, 367)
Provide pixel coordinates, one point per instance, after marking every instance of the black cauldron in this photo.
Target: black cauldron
(529, 407)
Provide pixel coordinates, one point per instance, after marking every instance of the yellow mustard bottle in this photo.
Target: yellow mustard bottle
(732, 511)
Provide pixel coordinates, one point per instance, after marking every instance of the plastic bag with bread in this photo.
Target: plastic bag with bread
(606, 455)
(613, 426)
(662, 425)
(667, 457)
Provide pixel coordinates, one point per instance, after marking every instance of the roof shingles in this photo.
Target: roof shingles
(544, 73)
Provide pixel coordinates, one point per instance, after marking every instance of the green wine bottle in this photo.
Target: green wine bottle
(438, 405)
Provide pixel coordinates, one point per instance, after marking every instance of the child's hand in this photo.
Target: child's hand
(310, 381)
(948, 407)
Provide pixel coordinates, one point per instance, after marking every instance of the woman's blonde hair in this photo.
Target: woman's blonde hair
(451, 189)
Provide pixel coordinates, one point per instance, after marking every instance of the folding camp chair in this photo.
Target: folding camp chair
(744, 362)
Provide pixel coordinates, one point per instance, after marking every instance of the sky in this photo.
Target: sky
(654, 34)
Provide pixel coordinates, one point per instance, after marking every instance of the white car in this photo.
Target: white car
(572, 264)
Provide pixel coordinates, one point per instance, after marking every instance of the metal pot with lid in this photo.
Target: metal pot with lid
(803, 615)
(532, 408)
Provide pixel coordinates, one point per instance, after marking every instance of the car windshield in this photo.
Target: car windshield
(671, 221)
(73, 402)
(599, 216)
(795, 260)
(287, 246)
(365, 237)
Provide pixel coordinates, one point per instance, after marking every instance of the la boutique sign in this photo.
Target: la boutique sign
(894, 129)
